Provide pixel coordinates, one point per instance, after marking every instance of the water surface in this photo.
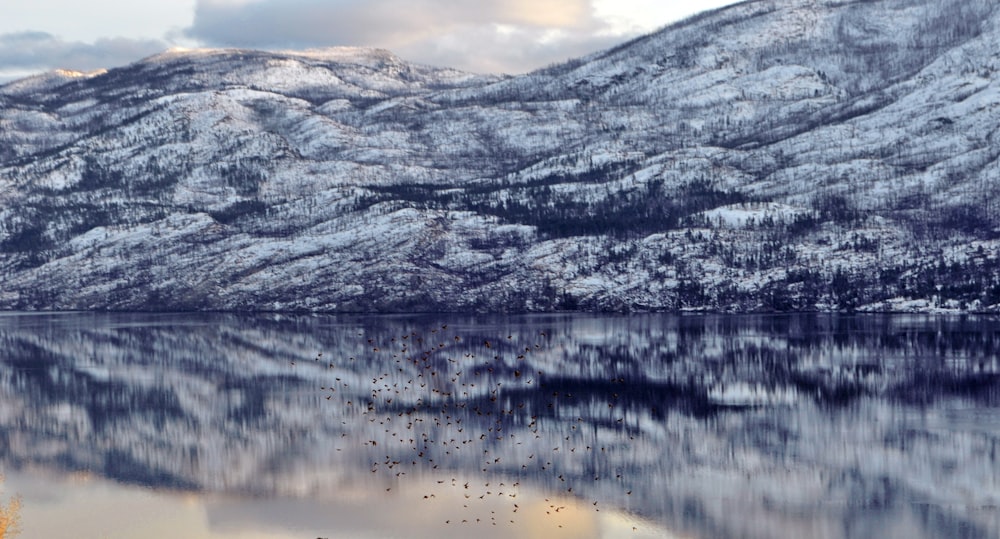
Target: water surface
(273, 426)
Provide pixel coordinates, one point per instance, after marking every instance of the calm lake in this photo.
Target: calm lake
(274, 426)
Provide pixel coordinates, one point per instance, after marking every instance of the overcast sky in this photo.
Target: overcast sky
(497, 36)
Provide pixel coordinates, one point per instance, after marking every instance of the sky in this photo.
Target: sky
(484, 36)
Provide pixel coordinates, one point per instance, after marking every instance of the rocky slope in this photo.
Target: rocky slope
(773, 155)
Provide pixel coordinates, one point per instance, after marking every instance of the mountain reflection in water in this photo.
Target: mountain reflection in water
(585, 426)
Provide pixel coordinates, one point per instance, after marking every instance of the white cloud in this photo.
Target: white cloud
(508, 50)
(496, 36)
(41, 35)
(501, 35)
(630, 17)
(24, 52)
(322, 22)
(86, 22)
(509, 36)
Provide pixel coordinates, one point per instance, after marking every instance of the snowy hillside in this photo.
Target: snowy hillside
(774, 155)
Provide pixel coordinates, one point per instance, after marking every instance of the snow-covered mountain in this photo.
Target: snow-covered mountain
(773, 155)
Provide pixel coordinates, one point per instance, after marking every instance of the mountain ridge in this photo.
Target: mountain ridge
(771, 155)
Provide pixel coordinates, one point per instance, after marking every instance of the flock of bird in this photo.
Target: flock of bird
(446, 404)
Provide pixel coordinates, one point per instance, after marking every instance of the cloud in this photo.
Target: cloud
(485, 49)
(496, 36)
(24, 52)
(499, 35)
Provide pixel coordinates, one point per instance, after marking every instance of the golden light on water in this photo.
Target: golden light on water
(10, 516)
(428, 507)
